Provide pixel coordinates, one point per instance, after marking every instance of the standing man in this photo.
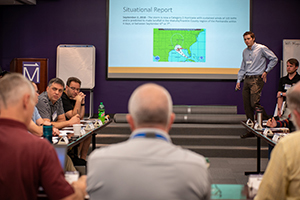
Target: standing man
(50, 105)
(148, 165)
(254, 71)
(281, 179)
(285, 83)
(28, 162)
(74, 103)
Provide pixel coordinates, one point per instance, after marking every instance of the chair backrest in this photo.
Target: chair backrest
(283, 107)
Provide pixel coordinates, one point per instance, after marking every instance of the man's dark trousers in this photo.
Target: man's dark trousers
(252, 88)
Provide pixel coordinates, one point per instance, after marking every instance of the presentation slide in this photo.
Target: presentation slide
(175, 39)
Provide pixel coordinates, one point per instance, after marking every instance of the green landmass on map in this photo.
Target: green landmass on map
(165, 40)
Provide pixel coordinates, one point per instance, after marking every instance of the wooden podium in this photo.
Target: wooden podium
(34, 69)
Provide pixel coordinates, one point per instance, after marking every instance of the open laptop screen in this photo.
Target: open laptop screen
(61, 151)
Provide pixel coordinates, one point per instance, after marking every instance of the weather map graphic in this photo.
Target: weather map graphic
(179, 45)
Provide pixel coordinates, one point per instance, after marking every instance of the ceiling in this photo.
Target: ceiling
(17, 2)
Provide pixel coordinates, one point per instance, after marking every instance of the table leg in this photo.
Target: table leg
(258, 154)
(93, 142)
(258, 159)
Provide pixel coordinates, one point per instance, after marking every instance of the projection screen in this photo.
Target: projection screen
(175, 39)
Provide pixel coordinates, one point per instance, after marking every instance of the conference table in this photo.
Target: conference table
(73, 141)
(259, 136)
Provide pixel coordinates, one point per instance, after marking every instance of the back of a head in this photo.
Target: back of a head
(150, 105)
(12, 88)
(293, 97)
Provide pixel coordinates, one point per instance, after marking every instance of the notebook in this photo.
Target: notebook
(61, 151)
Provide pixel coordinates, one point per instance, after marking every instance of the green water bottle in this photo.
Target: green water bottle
(101, 112)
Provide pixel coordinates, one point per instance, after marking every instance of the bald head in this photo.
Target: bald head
(150, 105)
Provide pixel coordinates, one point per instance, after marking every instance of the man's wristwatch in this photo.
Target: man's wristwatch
(281, 94)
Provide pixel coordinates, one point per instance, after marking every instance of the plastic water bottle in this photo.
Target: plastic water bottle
(101, 112)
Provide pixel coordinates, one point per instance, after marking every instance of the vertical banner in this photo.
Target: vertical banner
(31, 70)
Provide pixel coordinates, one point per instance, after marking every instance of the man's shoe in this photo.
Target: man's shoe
(247, 135)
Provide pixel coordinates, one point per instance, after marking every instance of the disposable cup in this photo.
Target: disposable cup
(71, 176)
(76, 129)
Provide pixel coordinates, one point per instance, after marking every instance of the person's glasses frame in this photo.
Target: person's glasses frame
(77, 89)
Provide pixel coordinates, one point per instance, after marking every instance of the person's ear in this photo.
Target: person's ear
(130, 122)
(171, 120)
(296, 116)
(295, 112)
(26, 101)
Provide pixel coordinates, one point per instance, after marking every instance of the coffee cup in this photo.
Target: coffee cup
(76, 129)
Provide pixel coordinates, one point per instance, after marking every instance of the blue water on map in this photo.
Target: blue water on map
(197, 51)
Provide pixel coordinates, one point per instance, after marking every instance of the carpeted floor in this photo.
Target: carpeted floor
(231, 170)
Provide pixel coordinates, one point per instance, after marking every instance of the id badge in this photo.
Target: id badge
(287, 86)
(54, 116)
(249, 62)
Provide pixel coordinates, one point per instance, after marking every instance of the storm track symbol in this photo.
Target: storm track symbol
(178, 48)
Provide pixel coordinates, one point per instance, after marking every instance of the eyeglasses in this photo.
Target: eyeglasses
(77, 89)
(37, 91)
(55, 89)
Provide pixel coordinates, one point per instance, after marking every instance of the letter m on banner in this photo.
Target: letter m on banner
(31, 70)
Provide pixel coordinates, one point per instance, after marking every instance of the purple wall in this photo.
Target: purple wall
(36, 31)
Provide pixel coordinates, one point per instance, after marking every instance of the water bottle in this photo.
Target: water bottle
(47, 133)
(101, 112)
(259, 118)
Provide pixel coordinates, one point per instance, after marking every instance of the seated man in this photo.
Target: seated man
(73, 99)
(281, 179)
(50, 105)
(285, 83)
(36, 124)
(281, 123)
(73, 103)
(36, 128)
(148, 165)
(28, 162)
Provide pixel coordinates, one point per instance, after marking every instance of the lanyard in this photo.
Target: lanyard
(150, 135)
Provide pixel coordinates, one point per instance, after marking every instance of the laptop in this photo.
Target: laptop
(61, 151)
